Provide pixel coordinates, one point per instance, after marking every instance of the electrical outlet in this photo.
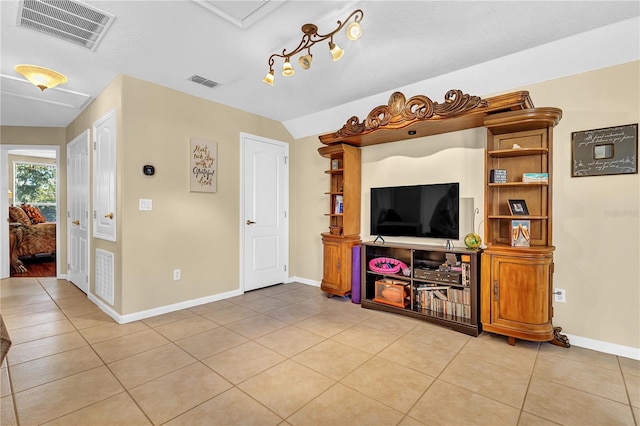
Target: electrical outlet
(559, 295)
(176, 274)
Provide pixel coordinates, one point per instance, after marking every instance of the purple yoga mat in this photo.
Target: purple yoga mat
(355, 275)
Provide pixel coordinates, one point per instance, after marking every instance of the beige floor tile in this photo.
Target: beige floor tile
(65, 292)
(8, 312)
(243, 362)
(629, 366)
(169, 396)
(265, 304)
(332, 359)
(527, 419)
(565, 405)
(287, 387)
(168, 318)
(419, 356)
(502, 384)
(271, 290)
(92, 319)
(297, 295)
(9, 302)
(443, 402)
(583, 355)
(247, 297)
(111, 331)
(326, 324)
(394, 324)
(116, 410)
(146, 366)
(496, 350)
(632, 383)
(43, 370)
(585, 377)
(390, 383)
(231, 314)
(55, 399)
(211, 342)
(293, 313)
(230, 408)
(21, 321)
(81, 308)
(131, 344)
(290, 341)
(7, 412)
(254, 327)
(410, 421)
(5, 385)
(186, 328)
(341, 405)
(44, 347)
(210, 307)
(79, 300)
(40, 331)
(439, 336)
(365, 338)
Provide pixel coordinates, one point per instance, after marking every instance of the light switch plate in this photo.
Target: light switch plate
(146, 204)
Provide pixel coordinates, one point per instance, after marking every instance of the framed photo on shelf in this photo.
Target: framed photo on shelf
(520, 233)
(518, 208)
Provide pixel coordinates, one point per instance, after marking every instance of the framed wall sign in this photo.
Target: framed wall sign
(203, 167)
(607, 151)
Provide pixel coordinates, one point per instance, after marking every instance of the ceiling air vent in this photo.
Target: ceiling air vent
(204, 81)
(68, 20)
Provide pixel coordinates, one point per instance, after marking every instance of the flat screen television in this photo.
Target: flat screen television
(416, 211)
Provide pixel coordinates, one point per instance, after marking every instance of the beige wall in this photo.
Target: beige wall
(596, 219)
(195, 232)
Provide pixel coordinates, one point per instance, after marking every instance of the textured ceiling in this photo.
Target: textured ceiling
(404, 42)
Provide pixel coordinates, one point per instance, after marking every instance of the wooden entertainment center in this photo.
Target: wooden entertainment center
(504, 289)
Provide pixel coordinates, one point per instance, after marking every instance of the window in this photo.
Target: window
(35, 184)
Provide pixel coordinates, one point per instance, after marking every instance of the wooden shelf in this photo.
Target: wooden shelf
(520, 152)
(334, 171)
(514, 184)
(511, 217)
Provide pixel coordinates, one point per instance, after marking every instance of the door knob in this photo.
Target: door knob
(110, 215)
(250, 222)
(76, 222)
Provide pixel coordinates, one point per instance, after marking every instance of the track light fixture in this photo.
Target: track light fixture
(311, 37)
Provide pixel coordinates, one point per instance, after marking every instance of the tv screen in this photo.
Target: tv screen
(416, 211)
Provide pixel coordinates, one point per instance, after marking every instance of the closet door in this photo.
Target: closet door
(104, 177)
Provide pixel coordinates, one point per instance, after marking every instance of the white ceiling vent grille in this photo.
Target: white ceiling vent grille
(68, 20)
(204, 81)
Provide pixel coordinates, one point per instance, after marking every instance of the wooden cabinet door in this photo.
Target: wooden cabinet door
(333, 261)
(520, 291)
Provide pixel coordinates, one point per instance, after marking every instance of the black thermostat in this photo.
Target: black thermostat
(148, 170)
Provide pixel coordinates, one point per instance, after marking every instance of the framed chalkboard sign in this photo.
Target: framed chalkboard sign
(608, 151)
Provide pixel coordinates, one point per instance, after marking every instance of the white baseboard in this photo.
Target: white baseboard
(136, 316)
(606, 347)
(306, 281)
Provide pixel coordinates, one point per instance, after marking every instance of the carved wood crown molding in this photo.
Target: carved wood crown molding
(399, 111)
(420, 116)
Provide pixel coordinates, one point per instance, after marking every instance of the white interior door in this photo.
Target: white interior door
(78, 211)
(264, 221)
(104, 177)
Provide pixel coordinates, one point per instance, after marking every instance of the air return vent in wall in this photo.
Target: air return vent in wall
(68, 20)
(204, 81)
(104, 275)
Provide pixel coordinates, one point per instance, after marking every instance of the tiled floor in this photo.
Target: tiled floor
(288, 355)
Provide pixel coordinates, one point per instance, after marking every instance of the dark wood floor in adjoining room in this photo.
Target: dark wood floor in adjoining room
(38, 266)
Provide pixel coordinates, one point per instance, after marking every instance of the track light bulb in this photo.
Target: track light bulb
(287, 69)
(305, 61)
(336, 52)
(269, 78)
(354, 31)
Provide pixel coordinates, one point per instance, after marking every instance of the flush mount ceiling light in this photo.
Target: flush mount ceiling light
(42, 77)
(311, 37)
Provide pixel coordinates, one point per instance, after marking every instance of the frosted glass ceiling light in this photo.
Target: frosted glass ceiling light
(311, 37)
(42, 77)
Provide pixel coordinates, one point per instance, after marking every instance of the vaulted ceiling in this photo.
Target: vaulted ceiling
(166, 42)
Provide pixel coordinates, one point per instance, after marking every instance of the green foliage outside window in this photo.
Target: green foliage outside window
(35, 184)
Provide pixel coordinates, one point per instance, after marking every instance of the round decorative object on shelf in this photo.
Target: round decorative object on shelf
(472, 241)
(387, 265)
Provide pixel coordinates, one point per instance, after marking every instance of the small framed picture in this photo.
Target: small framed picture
(518, 208)
(335, 164)
(520, 233)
